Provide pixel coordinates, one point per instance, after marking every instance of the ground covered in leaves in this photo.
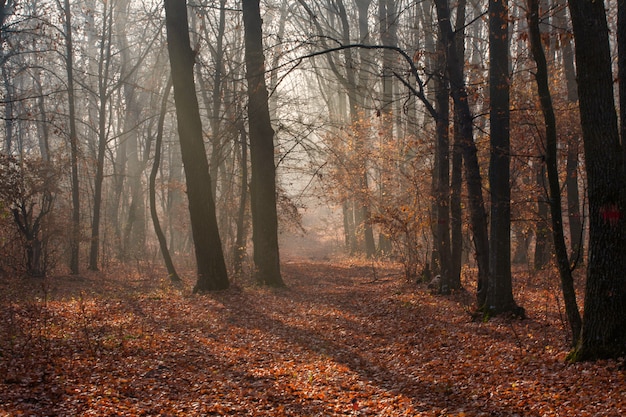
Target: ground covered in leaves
(343, 339)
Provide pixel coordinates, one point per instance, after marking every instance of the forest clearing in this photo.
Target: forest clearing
(344, 338)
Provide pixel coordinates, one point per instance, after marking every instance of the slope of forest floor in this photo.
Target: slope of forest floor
(345, 338)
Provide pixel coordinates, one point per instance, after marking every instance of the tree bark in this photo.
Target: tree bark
(211, 267)
(604, 323)
(500, 289)
(442, 175)
(263, 180)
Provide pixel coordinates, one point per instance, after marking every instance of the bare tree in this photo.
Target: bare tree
(545, 97)
(212, 274)
(263, 180)
(73, 137)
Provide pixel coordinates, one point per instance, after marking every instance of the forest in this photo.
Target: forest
(312, 207)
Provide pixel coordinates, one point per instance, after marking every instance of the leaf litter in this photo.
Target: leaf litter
(340, 340)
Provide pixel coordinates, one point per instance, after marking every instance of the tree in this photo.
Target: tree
(441, 176)
(73, 137)
(473, 178)
(562, 258)
(456, 176)
(28, 190)
(211, 268)
(499, 291)
(167, 258)
(604, 320)
(263, 178)
(387, 15)
(103, 94)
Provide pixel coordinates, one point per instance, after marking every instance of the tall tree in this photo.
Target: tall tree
(364, 215)
(464, 118)
(134, 236)
(441, 177)
(263, 178)
(103, 94)
(604, 320)
(73, 136)
(456, 176)
(167, 258)
(211, 268)
(387, 15)
(499, 291)
(545, 98)
(573, 139)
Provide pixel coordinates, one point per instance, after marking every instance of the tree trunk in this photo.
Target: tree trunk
(103, 99)
(263, 180)
(456, 180)
(211, 267)
(239, 251)
(388, 34)
(465, 120)
(604, 322)
(573, 138)
(365, 214)
(562, 259)
(542, 229)
(69, 66)
(500, 290)
(621, 68)
(169, 264)
(442, 175)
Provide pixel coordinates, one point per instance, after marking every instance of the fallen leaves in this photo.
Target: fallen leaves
(334, 343)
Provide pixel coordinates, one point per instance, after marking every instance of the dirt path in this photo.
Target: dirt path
(342, 339)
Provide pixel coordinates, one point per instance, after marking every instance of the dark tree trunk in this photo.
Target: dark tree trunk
(500, 290)
(604, 322)
(621, 68)
(169, 264)
(263, 180)
(456, 180)
(573, 202)
(473, 178)
(442, 176)
(562, 259)
(211, 267)
(542, 229)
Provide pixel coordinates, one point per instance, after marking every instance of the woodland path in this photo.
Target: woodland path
(343, 339)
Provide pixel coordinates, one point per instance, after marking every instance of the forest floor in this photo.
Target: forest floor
(344, 338)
